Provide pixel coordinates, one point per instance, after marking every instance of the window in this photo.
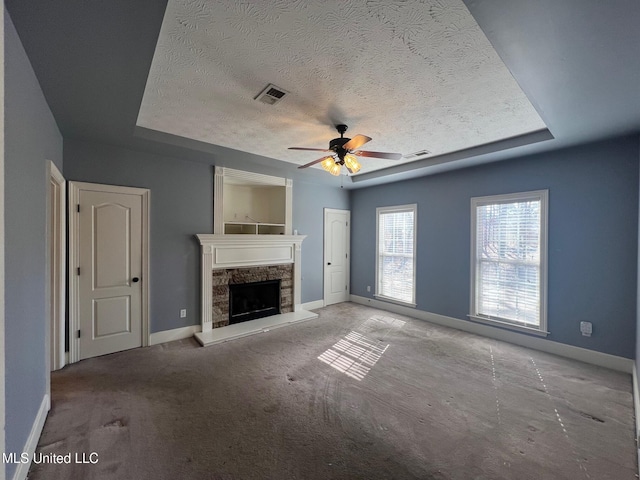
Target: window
(508, 260)
(395, 259)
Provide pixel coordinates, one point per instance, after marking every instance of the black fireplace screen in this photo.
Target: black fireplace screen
(248, 301)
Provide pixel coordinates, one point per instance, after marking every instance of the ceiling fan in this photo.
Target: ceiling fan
(344, 152)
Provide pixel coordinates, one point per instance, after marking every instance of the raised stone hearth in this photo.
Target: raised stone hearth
(248, 258)
(224, 277)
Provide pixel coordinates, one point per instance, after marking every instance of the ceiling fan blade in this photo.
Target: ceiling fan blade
(356, 142)
(310, 149)
(387, 155)
(312, 163)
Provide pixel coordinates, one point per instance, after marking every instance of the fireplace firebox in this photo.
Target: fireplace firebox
(248, 301)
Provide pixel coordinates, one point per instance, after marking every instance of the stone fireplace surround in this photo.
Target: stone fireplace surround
(222, 278)
(240, 252)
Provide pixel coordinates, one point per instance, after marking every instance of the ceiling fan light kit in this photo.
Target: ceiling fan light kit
(351, 162)
(330, 165)
(344, 152)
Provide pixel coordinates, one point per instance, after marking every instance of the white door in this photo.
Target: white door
(336, 255)
(110, 232)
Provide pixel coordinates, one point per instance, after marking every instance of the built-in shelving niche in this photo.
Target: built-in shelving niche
(251, 203)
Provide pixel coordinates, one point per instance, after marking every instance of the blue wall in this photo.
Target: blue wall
(31, 138)
(309, 202)
(593, 237)
(182, 206)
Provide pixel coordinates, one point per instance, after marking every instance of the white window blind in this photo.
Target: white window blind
(396, 253)
(510, 240)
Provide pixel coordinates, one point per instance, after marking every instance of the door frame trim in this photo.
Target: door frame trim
(325, 212)
(74, 285)
(56, 266)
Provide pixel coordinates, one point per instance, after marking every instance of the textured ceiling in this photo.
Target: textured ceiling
(411, 74)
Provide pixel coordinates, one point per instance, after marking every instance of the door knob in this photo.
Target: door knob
(328, 263)
(135, 279)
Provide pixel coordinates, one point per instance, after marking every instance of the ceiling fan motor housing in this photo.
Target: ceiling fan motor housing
(336, 145)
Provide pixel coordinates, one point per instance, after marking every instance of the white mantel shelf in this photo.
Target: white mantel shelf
(236, 251)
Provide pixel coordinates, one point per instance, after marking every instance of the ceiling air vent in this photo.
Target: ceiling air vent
(271, 94)
(414, 155)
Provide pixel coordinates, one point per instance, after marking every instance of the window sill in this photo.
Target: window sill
(393, 300)
(510, 326)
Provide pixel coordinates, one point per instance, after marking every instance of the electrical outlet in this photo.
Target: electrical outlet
(183, 313)
(586, 328)
(368, 288)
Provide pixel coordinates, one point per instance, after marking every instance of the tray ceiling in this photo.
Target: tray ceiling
(413, 75)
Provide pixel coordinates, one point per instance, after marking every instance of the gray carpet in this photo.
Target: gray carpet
(356, 394)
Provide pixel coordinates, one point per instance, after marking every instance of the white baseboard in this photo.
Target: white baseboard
(576, 353)
(32, 441)
(172, 335)
(313, 305)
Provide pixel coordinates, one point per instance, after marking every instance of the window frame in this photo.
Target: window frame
(411, 207)
(536, 195)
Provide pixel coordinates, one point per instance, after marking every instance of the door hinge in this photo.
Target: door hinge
(345, 287)
(347, 224)
(78, 208)
(78, 333)
(78, 270)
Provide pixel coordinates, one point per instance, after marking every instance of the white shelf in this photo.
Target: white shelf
(256, 224)
(252, 228)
